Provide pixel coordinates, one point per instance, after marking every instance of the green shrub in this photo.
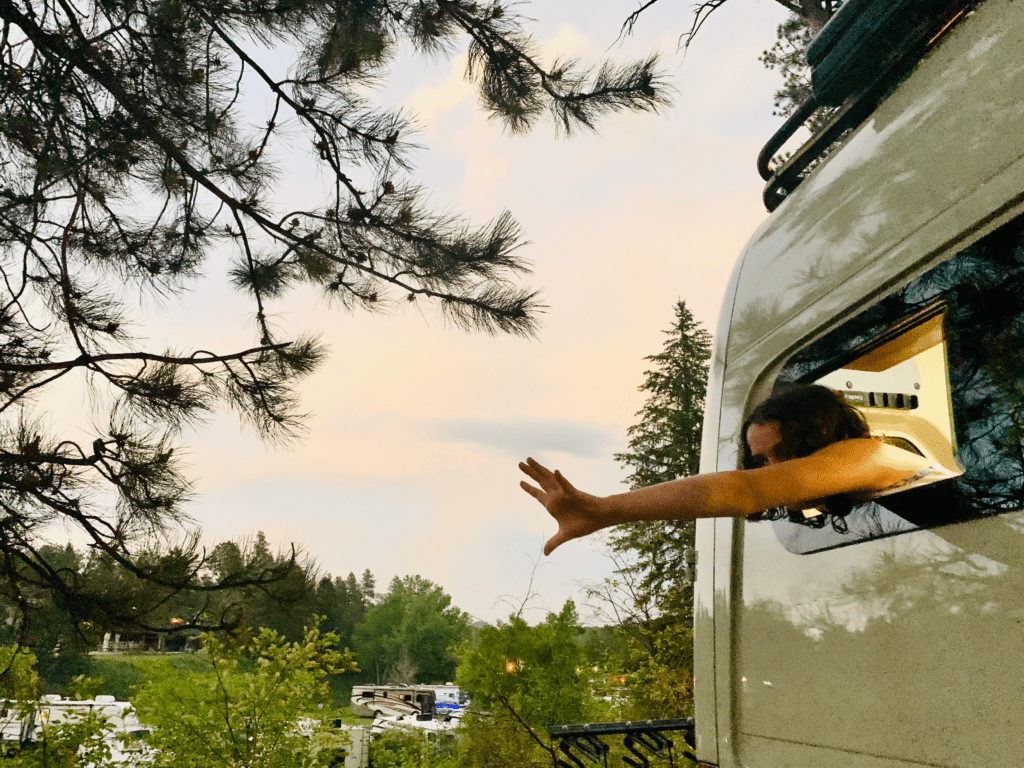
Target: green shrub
(408, 748)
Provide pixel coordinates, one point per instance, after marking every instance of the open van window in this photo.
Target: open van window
(937, 367)
(900, 382)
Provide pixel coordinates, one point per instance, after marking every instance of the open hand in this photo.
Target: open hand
(576, 513)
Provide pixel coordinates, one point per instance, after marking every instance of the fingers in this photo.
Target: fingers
(555, 541)
(537, 493)
(549, 482)
(564, 484)
(545, 478)
(540, 473)
(532, 469)
(528, 470)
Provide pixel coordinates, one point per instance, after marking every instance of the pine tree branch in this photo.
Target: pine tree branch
(630, 22)
(704, 9)
(92, 359)
(56, 46)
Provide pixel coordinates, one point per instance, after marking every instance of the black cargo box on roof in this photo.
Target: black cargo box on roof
(866, 38)
(858, 56)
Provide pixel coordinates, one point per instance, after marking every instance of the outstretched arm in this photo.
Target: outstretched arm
(851, 466)
(579, 514)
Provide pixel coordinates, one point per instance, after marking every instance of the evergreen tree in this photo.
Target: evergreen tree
(367, 585)
(342, 605)
(126, 162)
(788, 56)
(649, 601)
(665, 445)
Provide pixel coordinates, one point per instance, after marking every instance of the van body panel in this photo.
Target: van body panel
(704, 647)
(704, 587)
(844, 657)
(862, 649)
(943, 147)
(758, 751)
(716, 578)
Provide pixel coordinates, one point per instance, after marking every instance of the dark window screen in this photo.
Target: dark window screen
(979, 294)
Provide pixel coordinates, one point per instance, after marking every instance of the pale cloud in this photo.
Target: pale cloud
(522, 437)
(486, 170)
(429, 103)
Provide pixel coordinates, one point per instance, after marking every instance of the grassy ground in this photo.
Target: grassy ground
(122, 673)
(345, 713)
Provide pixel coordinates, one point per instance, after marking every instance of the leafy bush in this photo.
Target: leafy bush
(408, 748)
(261, 706)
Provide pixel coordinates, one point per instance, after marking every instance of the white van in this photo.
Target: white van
(894, 272)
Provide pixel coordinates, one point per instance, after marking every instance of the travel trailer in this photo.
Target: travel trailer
(892, 270)
(392, 700)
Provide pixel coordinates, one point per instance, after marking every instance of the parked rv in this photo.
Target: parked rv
(451, 700)
(393, 700)
(422, 723)
(893, 272)
(16, 720)
(119, 714)
(22, 723)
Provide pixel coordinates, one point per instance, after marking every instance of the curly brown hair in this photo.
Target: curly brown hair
(810, 417)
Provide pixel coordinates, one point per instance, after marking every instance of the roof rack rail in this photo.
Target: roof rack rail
(856, 59)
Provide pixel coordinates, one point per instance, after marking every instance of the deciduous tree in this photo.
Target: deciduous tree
(410, 634)
(257, 709)
(522, 679)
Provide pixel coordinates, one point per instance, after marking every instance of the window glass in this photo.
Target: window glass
(936, 368)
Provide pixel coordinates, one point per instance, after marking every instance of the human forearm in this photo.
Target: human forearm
(721, 494)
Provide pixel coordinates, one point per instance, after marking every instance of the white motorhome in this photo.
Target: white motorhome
(16, 721)
(53, 709)
(894, 272)
(451, 700)
(393, 700)
(22, 723)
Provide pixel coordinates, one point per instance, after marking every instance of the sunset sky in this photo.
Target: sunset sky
(410, 465)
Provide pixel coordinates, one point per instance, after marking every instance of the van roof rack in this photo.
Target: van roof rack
(858, 56)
